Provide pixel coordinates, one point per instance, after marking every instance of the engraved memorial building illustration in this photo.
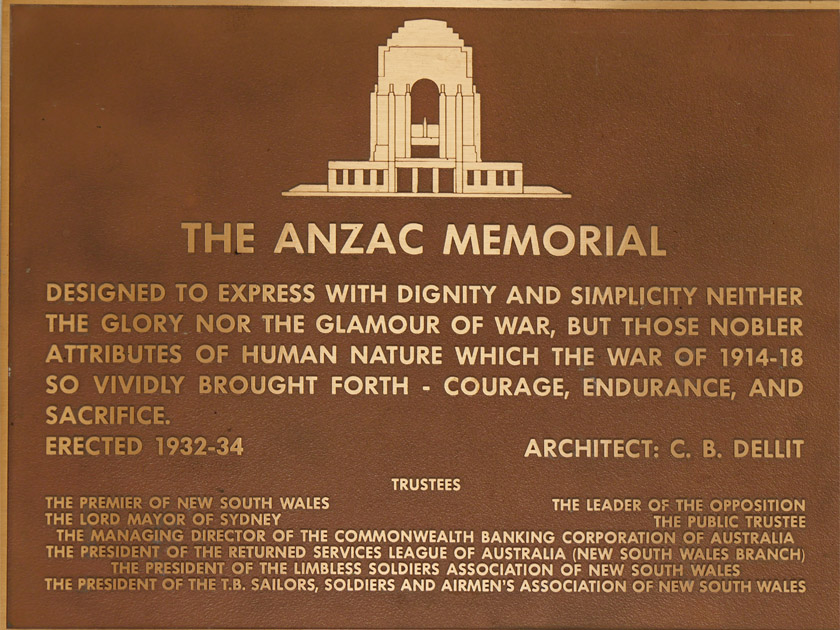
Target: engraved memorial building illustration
(425, 126)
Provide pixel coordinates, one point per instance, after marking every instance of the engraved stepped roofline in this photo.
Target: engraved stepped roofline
(425, 127)
(435, 33)
(425, 49)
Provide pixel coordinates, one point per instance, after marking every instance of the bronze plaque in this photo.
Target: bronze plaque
(445, 316)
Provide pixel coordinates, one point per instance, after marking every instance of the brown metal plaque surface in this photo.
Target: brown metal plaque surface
(430, 317)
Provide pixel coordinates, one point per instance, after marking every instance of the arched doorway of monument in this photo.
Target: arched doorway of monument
(426, 139)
